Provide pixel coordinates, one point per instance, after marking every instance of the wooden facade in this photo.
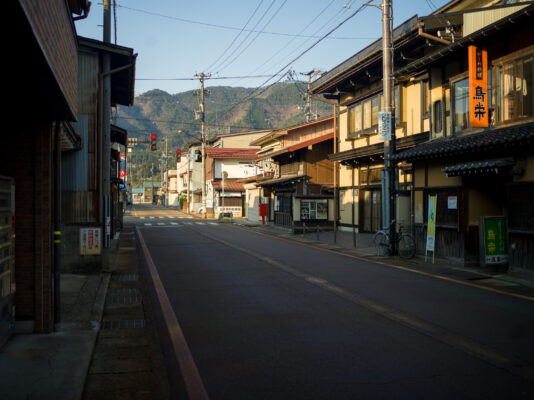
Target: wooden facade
(476, 172)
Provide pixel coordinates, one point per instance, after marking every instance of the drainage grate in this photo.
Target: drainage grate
(126, 290)
(124, 324)
(123, 299)
(125, 277)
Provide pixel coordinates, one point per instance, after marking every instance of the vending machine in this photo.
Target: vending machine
(7, 258)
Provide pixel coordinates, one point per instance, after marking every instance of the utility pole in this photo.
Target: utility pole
(106, 138)
(386, 122)
(202, 104)
(310, 75)
(389, 145)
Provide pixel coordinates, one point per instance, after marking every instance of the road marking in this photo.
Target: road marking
(193, 382)
(399, 267)
(151, 217)
(200, 223)
(481, 351)
(160, 217)
(213, 223)
(161, 223)
(142, 217)
(148, 224)
(175, 223)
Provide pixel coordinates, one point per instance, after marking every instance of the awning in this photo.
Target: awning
(230, 186)
(118, 135)
(479, 168)
(288, 180)
(311, 142)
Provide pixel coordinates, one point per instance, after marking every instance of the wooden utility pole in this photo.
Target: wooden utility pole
(202, 103)
(389, 145)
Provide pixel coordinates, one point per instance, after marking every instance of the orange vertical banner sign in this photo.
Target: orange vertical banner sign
(478, 87)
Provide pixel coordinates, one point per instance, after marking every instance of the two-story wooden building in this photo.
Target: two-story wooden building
(302, 190)
(475, 172)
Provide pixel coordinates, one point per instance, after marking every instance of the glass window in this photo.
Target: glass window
(367, 114)
(355, 118)
(438, 117)
(425, 96)
(314, 209)
(461, 105)
(375, 105)
(514, 89)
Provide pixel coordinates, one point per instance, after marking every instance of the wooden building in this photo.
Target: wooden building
(301, 192)
(476, 172)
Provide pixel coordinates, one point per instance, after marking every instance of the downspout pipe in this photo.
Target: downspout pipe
(57, 222)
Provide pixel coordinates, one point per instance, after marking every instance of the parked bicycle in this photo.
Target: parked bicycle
(404, 241)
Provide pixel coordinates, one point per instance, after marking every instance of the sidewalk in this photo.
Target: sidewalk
(95, 353)
(494, 279)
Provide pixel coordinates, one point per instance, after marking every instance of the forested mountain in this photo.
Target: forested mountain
(228, 109)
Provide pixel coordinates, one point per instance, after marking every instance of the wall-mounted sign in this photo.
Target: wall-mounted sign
(90, 239)
(452, 202)
(384, 126)
(493, 237)
(478, 87)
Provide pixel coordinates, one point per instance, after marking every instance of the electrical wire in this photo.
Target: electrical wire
(255, 37)
(235, 38)
(189, 21)
(302, 54)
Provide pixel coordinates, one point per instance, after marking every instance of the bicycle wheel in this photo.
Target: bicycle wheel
(406, 246)
(381, 242)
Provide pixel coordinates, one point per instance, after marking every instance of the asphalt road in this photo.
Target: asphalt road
(251, 316)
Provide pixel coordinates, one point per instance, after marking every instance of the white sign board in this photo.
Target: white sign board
(384, 126)
(90, 241)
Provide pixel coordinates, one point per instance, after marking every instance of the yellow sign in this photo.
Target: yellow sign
(478, 87)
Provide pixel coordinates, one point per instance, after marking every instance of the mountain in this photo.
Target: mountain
(228, 109)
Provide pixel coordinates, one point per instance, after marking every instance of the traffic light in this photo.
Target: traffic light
(178, 155)
(199, 156)
(153, 142)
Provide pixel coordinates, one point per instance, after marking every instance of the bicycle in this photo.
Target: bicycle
(405, 243)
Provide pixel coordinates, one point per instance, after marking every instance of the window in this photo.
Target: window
(514, 89)
(438, 117)
(461, 105)
(425, 98)
(314, 209)
(364, 115)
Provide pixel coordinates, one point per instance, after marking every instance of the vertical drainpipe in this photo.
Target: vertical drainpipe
(57, 222)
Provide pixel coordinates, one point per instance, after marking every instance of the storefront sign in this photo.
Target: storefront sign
(90, 239)
(478, 87)
(494, 237)
(431, 226)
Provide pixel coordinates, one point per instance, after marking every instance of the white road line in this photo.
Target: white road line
(175, 223)
(143, 217)
(200, 223)
(148, 224)
(151, 217)
(161, 223)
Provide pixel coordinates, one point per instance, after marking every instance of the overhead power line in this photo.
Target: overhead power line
(195, 79)
(189, 21)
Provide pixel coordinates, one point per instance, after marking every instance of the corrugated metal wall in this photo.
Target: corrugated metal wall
(477, 20)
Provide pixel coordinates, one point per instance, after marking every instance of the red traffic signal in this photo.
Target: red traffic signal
(178, 155)
(153, 142)
(153, 136)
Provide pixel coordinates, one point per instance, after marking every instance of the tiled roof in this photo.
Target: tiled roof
(496, 139)
(230, 186)
(217, 152)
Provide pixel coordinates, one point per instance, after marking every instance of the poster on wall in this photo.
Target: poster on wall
(90, 241)
(314, 209)
(431, 226)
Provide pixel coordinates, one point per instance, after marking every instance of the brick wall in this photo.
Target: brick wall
(27, 157)
(52, 25)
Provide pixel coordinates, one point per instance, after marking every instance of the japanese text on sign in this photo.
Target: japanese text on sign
(478, 87)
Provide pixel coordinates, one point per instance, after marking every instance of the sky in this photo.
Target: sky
(249, 43)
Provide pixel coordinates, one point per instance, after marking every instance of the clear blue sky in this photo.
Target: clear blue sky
(178, 39)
